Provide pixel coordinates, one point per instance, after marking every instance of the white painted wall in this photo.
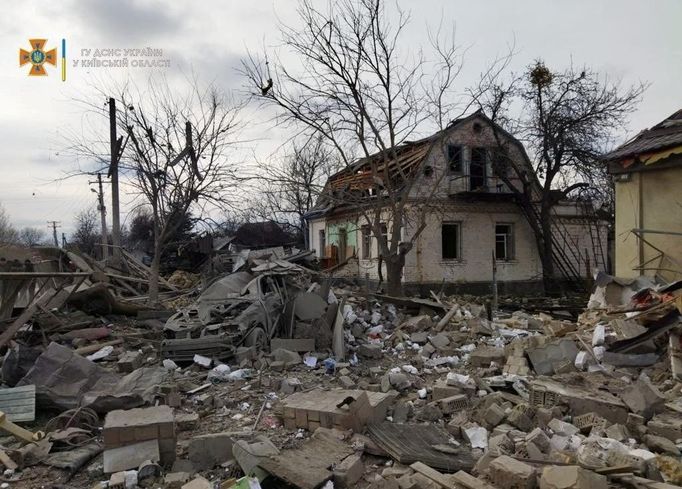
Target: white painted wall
(425, 263)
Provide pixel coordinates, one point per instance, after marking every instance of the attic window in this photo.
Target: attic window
(477, 127)
(428, 171)
(454, 158)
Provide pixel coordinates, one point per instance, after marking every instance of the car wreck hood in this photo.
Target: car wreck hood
(229, 286)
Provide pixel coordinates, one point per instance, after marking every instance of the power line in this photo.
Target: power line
(55, 225)
(103, 215)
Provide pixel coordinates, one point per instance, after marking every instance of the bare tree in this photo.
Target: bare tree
(362, 90)
(176, 154)
(30, 236)
(567, 119)
(8, 234)
(289, 189)
(86, 236)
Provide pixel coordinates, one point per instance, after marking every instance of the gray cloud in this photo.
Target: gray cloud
(128, 21)
(209, 39)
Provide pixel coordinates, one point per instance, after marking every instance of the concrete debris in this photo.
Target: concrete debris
(349, 471)
(264, 377)
(508, 473)
(643, 398)
(207, 451)
(571, 477)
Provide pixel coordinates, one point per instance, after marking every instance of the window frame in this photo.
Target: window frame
(384, 232)
(366, 236)
(509, 242)
(322, 241)
(449, 157)
(458, 240)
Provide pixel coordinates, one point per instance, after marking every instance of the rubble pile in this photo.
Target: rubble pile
(268, 377)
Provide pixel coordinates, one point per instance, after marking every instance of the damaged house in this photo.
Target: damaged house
(648, 176)
(471, 216)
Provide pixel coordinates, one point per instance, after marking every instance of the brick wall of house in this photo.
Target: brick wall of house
(425, 264)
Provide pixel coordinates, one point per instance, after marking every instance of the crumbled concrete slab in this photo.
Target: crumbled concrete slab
(439, 341)
(483, 356)
(643, 398)
(288, 357)
(562, 428)
(660, 444)
(130, 456)
(369, 351)
(508, 473)
(207, 451)
(571, 477)
(349, 471)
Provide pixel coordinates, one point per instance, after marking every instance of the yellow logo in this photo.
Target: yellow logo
(37, 57)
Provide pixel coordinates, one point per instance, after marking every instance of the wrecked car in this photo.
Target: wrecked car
(239, 309)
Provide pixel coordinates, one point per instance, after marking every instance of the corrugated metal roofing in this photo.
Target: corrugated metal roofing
(665, 134)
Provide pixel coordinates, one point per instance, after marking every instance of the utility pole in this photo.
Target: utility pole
(103, 214)
(116, 148)
(54, 225)
(494, 308)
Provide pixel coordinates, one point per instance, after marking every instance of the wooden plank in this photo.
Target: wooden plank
(7, 462)
(18, 275)
(148, 270)
(9, 333)
(19, 403)
(432, 474)
(86, 350)
(446, 319)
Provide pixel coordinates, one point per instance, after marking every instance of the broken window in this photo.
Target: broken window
(477, 168)
(323, 243)
(384, 234)
(504, 241)
(366, 242)
(455, 158)
(450, 237)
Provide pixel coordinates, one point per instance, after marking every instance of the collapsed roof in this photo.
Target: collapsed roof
(651, 145)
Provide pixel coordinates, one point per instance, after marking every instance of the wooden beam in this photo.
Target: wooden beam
(432, 474)
(17, 275)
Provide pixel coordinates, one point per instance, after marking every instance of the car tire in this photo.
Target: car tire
(257, 338)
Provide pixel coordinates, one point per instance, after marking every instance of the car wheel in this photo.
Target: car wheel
(257, 338)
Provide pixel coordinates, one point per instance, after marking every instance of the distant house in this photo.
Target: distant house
(258, 235)
(648, 176)
(476, 216)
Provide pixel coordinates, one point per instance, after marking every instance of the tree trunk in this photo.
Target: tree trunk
(154, 275)
(156, 262)
(304, 231)
(394, 274)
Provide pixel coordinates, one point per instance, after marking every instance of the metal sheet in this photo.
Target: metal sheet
(19, 403)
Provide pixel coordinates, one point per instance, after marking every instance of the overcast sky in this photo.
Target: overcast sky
(631, 40)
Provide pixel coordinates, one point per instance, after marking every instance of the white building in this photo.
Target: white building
(472, 217)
